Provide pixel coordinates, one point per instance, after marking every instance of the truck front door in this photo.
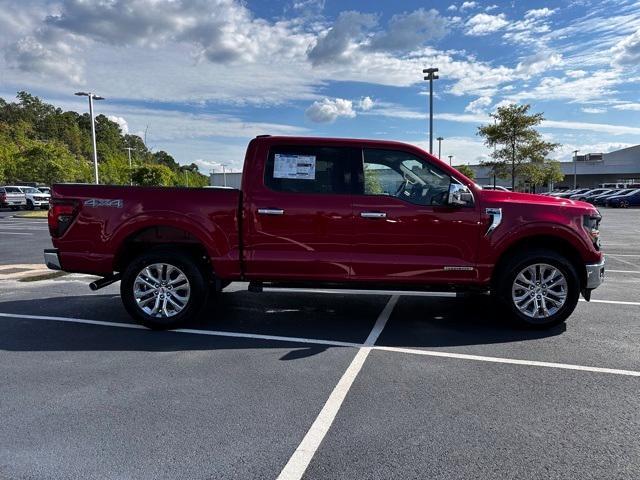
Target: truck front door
(405, 229)
(298, 217)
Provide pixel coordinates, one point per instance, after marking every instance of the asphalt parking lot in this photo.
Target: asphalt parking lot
(314, 384)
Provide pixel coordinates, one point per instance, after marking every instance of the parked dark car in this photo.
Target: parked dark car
(568, 193)
(601, 199)
(591, 197)
(631, 199)
(594, 192)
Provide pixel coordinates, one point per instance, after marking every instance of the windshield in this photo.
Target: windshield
(30, 190)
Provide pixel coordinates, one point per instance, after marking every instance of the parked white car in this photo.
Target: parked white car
(35, 198)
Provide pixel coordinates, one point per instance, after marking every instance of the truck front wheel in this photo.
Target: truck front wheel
(162, 289)
(539, 288)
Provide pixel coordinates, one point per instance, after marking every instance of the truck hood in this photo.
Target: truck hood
(499, 197)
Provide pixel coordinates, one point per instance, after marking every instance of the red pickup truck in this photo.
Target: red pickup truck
(339, 213)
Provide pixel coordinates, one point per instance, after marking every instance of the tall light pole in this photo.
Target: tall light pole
(431, 76)
(575, 169)
(92, 97)
(440, 146)
(450, 159)
(128, 149)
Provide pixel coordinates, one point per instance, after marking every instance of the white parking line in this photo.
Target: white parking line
(369, 343)
(613, 302)
(214, 333)
(299, 461)
(512, 361)
(623, 271)
(15, 233)
(622, 255)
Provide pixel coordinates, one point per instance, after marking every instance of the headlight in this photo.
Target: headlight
(591, 224)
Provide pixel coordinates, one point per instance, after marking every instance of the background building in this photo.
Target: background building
(592, 169)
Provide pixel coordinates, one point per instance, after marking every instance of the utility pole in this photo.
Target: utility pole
(128, 149)
(431, 76)
(575, 169)
(92, 97)
(450, 158)
(440, 146)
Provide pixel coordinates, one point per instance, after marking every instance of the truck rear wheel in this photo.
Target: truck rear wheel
(539, 288)
(162, 289)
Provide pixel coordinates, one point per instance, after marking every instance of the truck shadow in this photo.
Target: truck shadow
(426, 322)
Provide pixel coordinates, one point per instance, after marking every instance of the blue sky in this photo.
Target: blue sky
(205, 76)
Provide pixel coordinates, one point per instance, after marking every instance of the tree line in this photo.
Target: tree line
(42, 143)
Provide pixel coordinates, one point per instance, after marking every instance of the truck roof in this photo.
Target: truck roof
(334, 141)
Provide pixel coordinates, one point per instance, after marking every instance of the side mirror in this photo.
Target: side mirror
(459, 195)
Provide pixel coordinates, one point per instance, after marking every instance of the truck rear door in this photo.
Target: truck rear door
(298, 218)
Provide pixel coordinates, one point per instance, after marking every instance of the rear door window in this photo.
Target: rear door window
(12, 190)
(306, 169)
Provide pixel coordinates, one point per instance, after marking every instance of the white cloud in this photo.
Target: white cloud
(468, 5)
(484, 24)
(124, 126)
(539, 13)
(541, 62)
(598, 85)
(346, 32)
(365, 104)
(452, 8)
(352, 35)
(409, 30)
(490, 8)
(556, 124)
(627, 51)
(628, 106)
(479, 105)
(327, 110)
(575, 73)
(593, 110)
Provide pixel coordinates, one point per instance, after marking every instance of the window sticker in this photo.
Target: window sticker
(300, 167)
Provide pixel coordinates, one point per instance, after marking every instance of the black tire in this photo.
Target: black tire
(30, 205)
(182, 261)
(531, 257)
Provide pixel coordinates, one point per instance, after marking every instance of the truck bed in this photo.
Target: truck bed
(110, 217)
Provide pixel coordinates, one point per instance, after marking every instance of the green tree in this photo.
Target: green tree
(48, 163)
(372, 183)
(114, 170)
(153, 175)
(515, 139)
(546, 172)
(466, 170)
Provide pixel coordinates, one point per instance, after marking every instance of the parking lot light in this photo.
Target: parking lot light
(92, 97)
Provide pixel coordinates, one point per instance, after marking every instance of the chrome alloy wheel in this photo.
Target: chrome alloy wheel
(539, 290)
(161, 290)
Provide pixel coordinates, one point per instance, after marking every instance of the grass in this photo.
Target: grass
(32, 214)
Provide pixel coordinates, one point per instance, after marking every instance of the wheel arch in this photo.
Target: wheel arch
(545, 241)
(154, 236)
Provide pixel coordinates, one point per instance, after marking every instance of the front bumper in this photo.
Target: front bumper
(52, 259)
(595, 275)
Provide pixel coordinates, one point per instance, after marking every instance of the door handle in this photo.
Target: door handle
(270, 211)
(373, 215)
